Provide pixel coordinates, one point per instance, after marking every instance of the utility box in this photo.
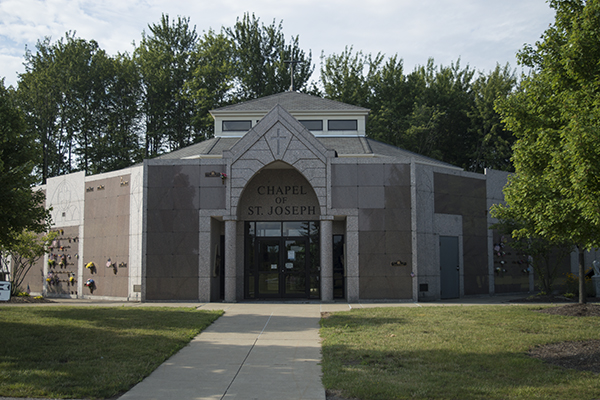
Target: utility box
(4, 291)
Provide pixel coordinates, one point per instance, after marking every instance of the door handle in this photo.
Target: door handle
(458, 268)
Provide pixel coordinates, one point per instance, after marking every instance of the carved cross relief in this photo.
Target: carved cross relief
(278, 142)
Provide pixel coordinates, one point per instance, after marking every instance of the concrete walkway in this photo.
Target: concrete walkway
(254, 351)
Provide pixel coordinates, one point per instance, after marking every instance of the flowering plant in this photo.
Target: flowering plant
(52, 279)
(90, 284)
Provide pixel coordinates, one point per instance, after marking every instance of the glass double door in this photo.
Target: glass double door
(283, 267)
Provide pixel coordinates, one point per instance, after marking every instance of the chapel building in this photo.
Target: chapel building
(289, 200)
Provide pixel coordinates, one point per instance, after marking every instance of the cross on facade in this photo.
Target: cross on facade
(292, 62)
(277, 138)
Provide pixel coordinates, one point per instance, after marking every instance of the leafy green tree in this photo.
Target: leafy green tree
(493, 142)
(165, 61)
(117, 143)
(260, 55)
(437, 111)
(84, 70)
(20, 206)
(392, 103)
(26, 250)
(212, 80)
(555, 192)
(350, 77)
(448, 99)
(75, 101)
(41, 99)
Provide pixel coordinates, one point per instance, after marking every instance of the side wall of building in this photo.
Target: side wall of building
(106, 235)
(97, 218)
(173, 200)
(381, 194)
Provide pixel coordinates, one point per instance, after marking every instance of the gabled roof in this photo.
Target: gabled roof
(291, 102)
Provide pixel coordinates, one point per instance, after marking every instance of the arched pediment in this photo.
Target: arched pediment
(278, 192)
(277, 141)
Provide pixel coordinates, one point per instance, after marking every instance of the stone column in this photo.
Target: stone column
(230, 258)
(351, 259)
(326, 258)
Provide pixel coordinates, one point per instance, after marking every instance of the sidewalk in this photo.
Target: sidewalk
(254, 351)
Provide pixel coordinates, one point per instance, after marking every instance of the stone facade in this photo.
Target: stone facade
(190, 225)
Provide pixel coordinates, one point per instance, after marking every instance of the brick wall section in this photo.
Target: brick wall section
(106, 235)
(464, 196)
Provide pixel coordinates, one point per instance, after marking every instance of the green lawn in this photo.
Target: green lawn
(452, 353)
(89, 352)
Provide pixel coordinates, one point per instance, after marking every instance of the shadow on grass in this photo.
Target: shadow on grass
(361, 320)
(88, 352)
(393, 373)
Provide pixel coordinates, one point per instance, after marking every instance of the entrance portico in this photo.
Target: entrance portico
(279, 195)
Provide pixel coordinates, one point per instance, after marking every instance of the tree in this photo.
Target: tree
(164, 58)
(212, 79)
(82, 105)
(41, 99)
(27, 249)
(350, 77)
(260, 55)
(21, 207)
(555, 115)
(493, 144)
(117, 144)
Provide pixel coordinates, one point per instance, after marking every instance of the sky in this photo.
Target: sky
(481, 33)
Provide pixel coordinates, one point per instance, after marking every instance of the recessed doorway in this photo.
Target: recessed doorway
(282, 260)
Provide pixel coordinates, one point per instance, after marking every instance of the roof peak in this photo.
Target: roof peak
(291, 102)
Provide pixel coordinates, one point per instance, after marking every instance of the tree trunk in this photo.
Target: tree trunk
(582, 293)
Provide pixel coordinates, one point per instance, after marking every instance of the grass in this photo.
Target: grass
(89, 352)
(452, 353)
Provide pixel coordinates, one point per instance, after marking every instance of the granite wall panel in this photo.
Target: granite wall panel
(460, 195)
(371, 219)
(397, 197)
(174, 197)
(169, 288)
(371, 242)
(370, 175)
(396, 175)
(344, 175)
(371, 197)
(212, 198)
(384, 230)
(385, 287)
(106, 236)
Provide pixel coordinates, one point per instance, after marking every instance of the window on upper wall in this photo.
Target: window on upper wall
(342, 125)
(312, 124)
(237, 125)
